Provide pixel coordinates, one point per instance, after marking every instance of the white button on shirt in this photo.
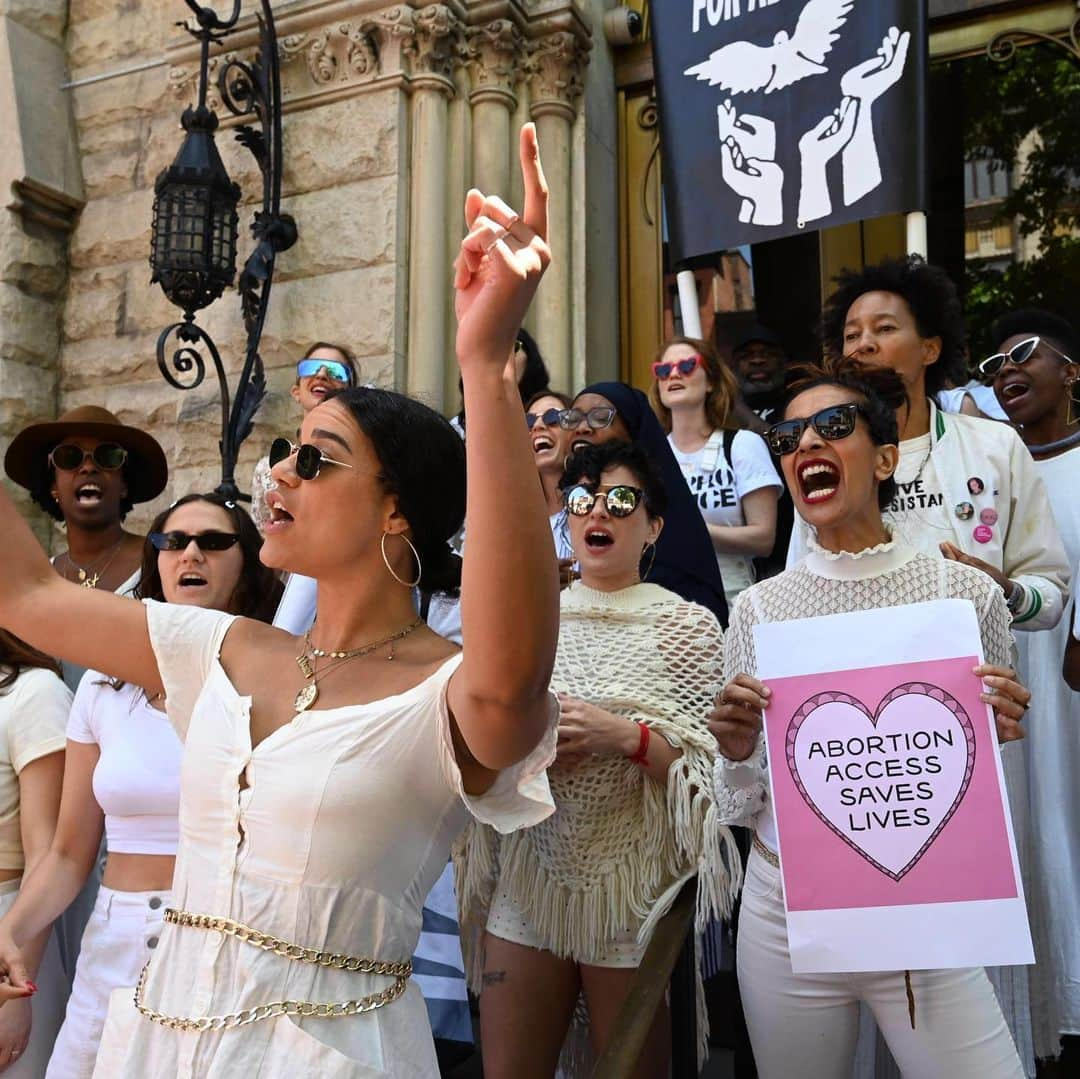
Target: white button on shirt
(345, 824)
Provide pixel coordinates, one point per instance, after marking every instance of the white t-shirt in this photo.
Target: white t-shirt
(983, 396)
(719, 486)
(137, 777)
(33, 711)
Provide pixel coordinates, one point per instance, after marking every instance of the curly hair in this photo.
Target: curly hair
(1034, 320)
(591, 462)
(723, 391)
(932, 298)
(879, 390)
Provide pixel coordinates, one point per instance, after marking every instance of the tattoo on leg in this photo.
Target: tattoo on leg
(493, 977)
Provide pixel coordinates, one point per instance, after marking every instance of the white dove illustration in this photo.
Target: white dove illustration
(741, 66)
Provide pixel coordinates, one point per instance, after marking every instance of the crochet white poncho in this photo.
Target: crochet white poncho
(620, 845)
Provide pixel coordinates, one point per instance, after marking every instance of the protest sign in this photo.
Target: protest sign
(778, 115)
(895, 839)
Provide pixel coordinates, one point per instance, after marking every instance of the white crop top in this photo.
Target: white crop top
(137, 777)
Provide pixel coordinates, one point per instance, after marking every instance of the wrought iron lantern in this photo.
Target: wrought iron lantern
(193, 239)
(194, 232)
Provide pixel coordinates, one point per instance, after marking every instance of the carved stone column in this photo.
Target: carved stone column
(555, 82)
(433, 48)
(494, 50)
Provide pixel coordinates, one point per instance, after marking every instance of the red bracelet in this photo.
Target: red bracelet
(641, 756)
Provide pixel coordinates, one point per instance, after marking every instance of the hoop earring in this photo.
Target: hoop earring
(390, 569)
(651, 548)
(1070, 415)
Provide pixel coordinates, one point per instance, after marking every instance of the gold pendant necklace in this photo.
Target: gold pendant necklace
(308, 694)
(89, 578)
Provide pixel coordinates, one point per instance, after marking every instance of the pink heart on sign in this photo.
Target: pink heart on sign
(889, 813)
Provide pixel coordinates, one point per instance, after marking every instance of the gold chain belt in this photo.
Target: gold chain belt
(400, 972)
(768, 855)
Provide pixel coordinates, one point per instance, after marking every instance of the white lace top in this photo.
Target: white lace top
(889, 575)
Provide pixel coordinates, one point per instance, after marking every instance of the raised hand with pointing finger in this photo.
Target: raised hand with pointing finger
(502, 259)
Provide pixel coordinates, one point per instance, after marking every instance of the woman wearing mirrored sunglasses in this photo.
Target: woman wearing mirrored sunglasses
(122, 780)
(1034, 375)
(567, 903)
(906, 315)
(838, 446)
(326, 775)
(685, 561)
(729, 472)
(324, 368)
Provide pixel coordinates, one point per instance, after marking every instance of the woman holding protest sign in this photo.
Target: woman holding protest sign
(967, 490)
(837, 445)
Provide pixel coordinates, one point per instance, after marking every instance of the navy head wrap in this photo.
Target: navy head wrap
(685, 560)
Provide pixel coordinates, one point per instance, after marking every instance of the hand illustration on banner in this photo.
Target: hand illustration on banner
(816, 149)
(812, 113)
(866, 82)
(742, 66)
(748, 165)
(755, 135)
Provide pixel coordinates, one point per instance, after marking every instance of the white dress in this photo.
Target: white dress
(344, 825)
(1052, 748)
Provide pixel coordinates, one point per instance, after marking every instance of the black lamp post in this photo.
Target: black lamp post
(193, 239)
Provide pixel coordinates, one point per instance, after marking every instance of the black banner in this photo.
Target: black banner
(780, 115)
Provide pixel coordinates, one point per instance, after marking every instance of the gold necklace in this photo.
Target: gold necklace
(308, 694)
(84, 575)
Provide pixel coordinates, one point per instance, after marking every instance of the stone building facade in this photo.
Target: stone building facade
(392, 110)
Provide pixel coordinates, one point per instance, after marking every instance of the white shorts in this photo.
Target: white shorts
(120, 937)
(506, 922)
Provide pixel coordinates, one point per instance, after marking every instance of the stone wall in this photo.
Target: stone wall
(391, 111)
(342, 182)
(40, 195)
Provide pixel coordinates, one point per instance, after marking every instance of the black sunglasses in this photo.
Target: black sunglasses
(108, 456)
(832, 423)
(1019, 354)
(309, 458)
(205, 541)
(620, 500)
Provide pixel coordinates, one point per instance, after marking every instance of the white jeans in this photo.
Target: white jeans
(120, 937)
(807, 1024)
